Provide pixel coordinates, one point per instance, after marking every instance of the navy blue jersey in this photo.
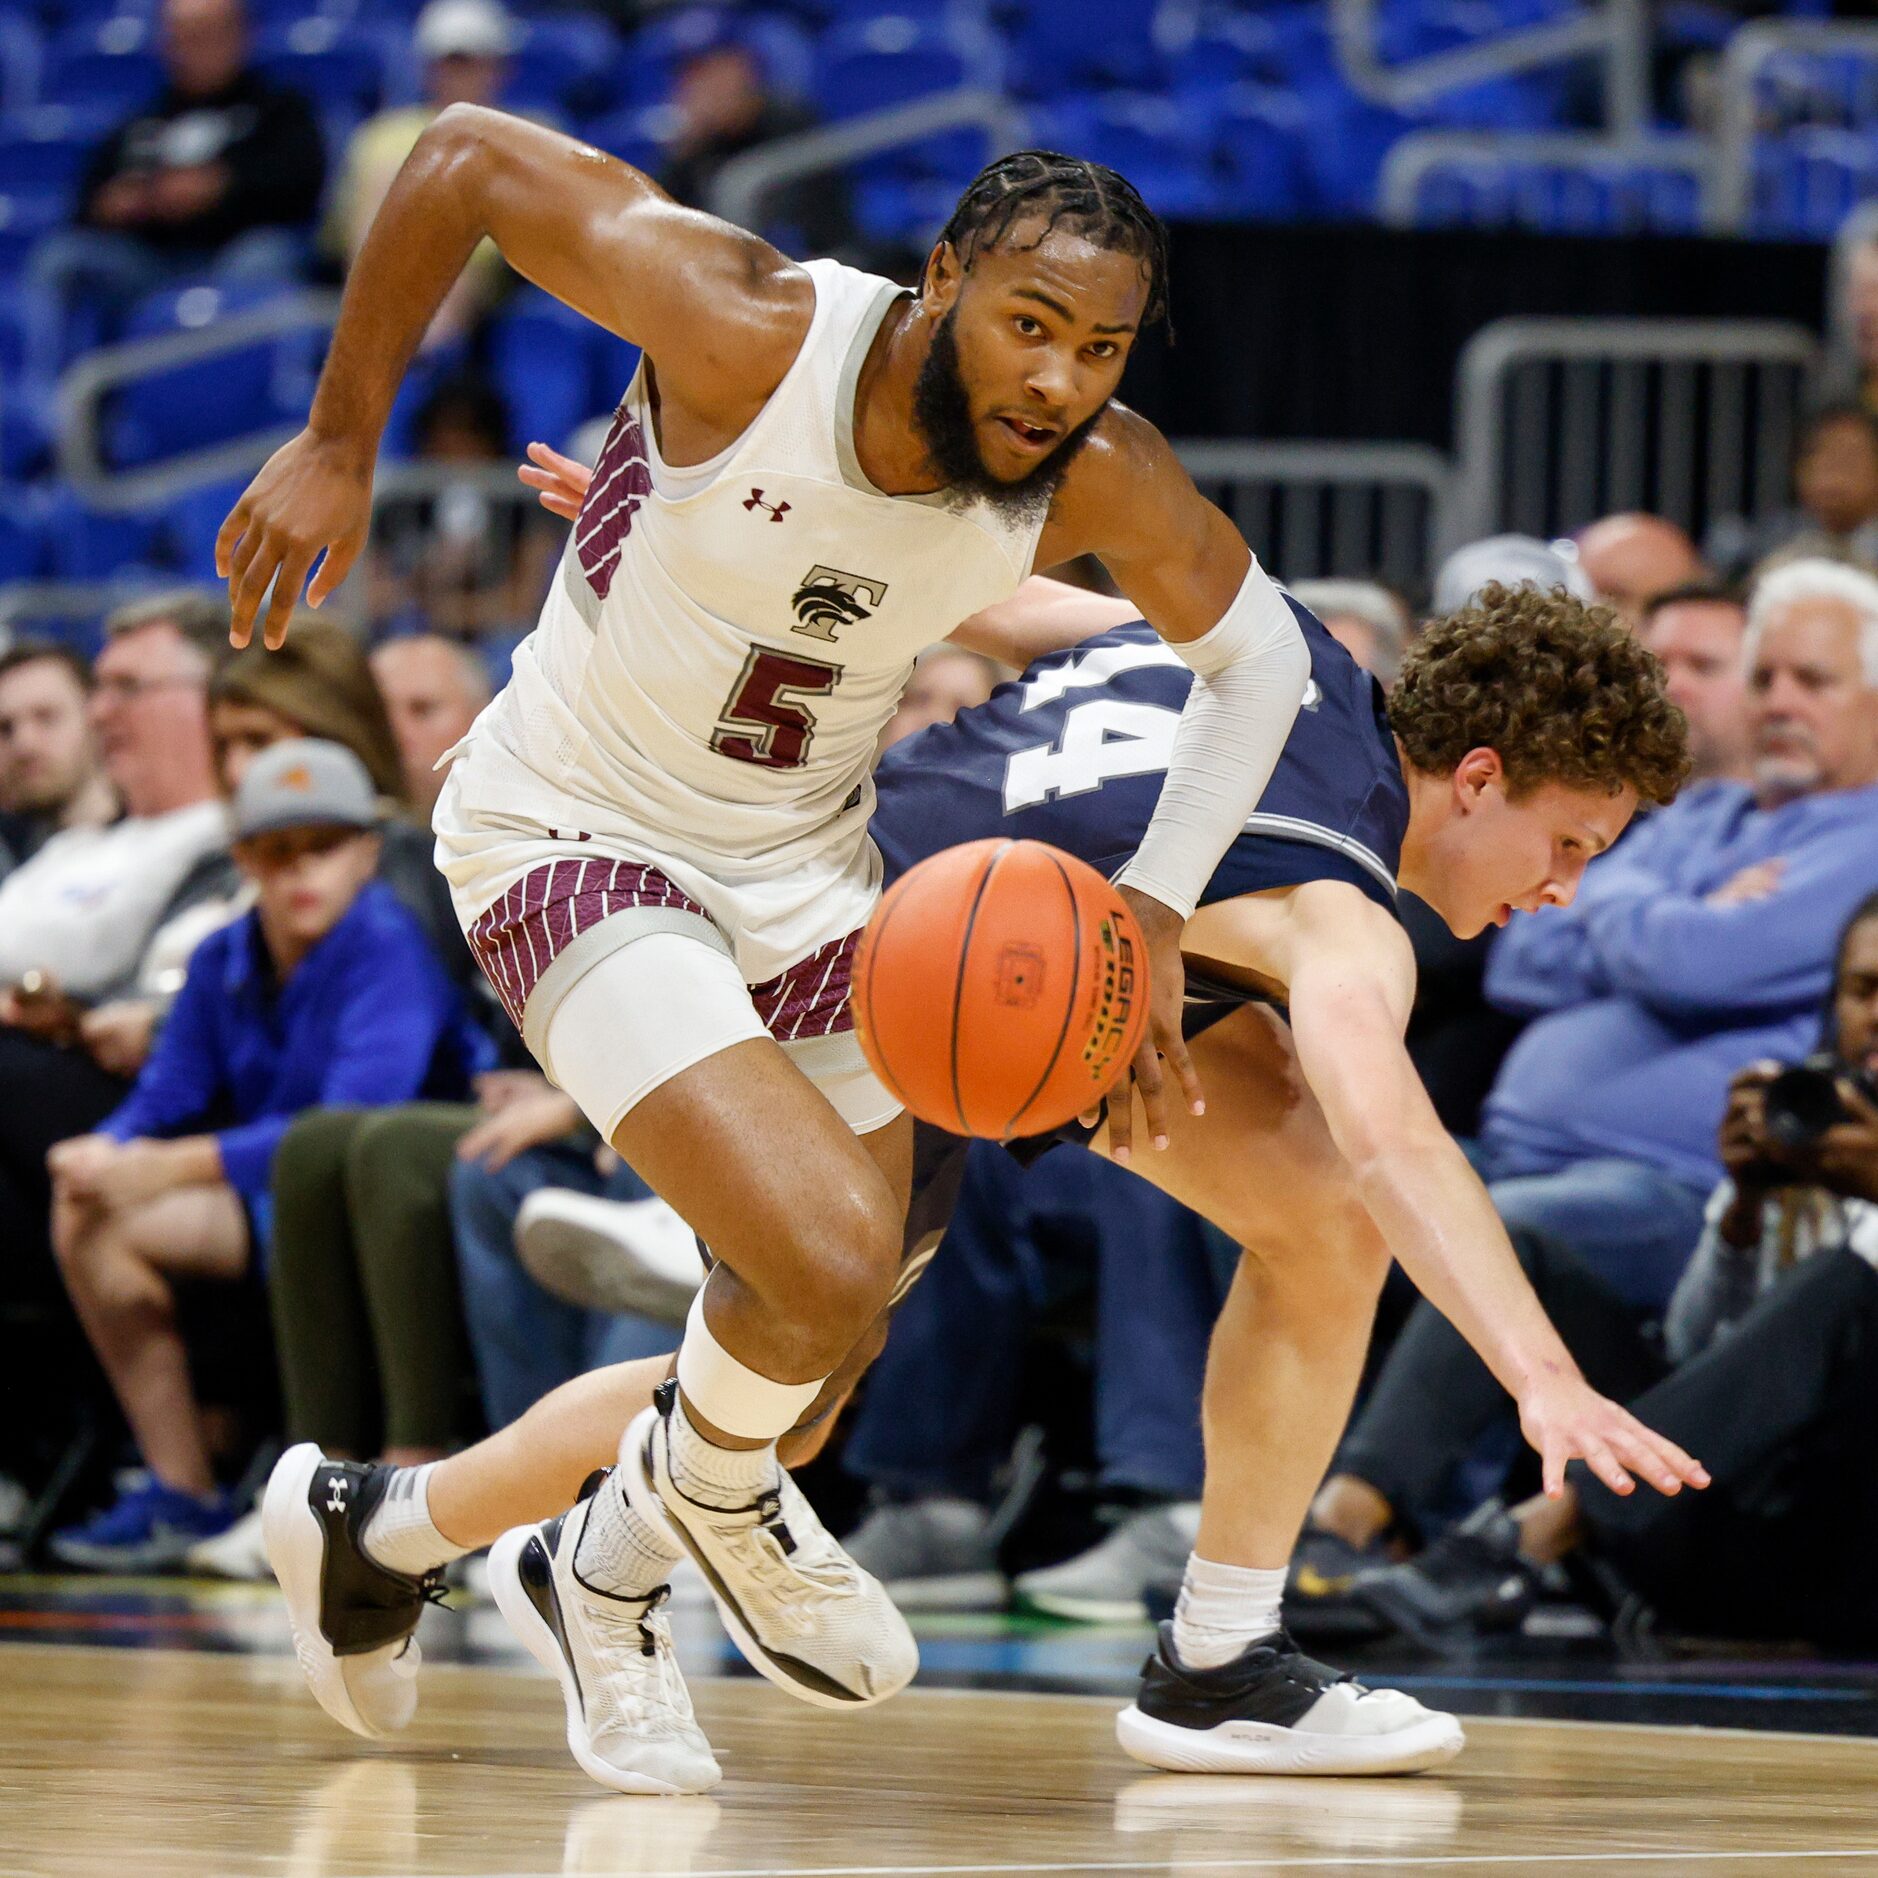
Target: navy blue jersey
(1075, 752)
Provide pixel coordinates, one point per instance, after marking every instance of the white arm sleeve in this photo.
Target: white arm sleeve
(1251, 669)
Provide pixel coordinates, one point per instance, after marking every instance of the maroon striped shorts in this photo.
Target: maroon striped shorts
(550, 906)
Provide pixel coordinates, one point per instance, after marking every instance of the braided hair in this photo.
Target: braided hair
(1089, 199)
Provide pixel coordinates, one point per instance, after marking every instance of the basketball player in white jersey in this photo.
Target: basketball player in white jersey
(656, 836)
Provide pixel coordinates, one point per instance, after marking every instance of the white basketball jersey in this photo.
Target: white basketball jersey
(724, 642)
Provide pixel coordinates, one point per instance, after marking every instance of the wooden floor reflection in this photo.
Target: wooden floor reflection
(159, 1763)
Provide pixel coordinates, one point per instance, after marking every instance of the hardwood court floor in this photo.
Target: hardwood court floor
(167, 1764)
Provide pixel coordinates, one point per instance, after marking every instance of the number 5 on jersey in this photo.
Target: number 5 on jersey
(764, 720)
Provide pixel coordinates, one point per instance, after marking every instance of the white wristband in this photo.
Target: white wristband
(1251, 670)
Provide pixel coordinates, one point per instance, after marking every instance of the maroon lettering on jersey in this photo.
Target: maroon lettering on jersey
(622, 480)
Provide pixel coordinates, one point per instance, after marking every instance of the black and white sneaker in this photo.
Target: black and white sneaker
(803, 1613)
(1272, 1710)
(1467, 1585)
(353, 1621)
(629, 1719)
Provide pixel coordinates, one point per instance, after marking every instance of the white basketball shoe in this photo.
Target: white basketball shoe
(629, 1719)
(801, 1611)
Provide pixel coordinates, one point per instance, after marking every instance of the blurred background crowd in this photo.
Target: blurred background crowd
(273, 1164)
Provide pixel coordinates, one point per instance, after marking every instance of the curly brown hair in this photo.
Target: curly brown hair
(1564, 692)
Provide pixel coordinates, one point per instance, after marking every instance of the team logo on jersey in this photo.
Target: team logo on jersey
(1313, 695)
(828, 598)
(777, 510)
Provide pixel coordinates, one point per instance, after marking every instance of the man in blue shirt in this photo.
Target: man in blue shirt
(1702, 945)
(326, 992)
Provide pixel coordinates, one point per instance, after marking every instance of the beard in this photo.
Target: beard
(942, 415)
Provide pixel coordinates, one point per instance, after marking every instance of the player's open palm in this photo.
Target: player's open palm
(311, 499)
(1565, 1419)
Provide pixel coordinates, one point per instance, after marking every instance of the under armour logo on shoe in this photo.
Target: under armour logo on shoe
(336, 1485)
(777, 510)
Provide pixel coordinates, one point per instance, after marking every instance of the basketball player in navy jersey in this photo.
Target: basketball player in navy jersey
(1319, 1151)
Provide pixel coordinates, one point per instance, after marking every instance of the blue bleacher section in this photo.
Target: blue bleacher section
(1217, 109)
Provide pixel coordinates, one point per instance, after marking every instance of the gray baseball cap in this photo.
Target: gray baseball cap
(304, 783)
(1512, 560)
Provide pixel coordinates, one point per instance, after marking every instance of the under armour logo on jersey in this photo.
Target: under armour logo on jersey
(777, 510)
(336, 1485)
(829, 598)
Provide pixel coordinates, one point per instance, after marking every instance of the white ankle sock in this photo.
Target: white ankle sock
(399, 1535)
(1223, 1609)
(618, 1551)
(714, 1476)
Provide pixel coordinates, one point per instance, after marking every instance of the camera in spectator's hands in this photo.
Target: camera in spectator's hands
(1804, 1100)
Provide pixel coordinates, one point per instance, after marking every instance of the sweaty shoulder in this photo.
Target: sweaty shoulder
(1111, 494)
(755, 307)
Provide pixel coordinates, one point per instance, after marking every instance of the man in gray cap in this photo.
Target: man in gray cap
(326, 993)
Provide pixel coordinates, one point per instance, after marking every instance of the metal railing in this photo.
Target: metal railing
(1617, 32)
(745, 183)
(1558, 421)
(1598, 160)
(83, 390)
(1314, 509)
(1751, 49)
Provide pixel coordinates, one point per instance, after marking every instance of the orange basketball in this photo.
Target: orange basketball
(1000, 988)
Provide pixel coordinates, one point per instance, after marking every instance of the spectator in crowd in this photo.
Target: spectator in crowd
(946, 681)
(1698, 632)
(457, 560)
(1365, 618)
(326, 992)
(1704, 944)
(1772, 1376)
(463, 49)
(74, 919)
(1512, 561)
(1630, 559)
(1835, 486)
(220, 174)
(562, 1193)
(1858, 372)
(1021, 1244)
(724, 105)
(50, 774)
(433, 688)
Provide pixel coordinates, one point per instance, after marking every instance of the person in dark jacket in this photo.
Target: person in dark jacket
(219, 174)
(327, 992)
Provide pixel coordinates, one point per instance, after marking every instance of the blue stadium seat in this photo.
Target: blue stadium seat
(653, 54)
(227, 395)
(1807, 182)
(1164, 150)
(25, 216)
(45, 150)
(337, 68)
(1258, 135)
(555, 369)
(1601, 198)
(892, 58)
(1216, 51)
(187, 528)
(1797, 87)
(26, 400)
(83, 544)
(22, 56)
(1057, 47)
(108, 67)
(23, 547)
(564, 65)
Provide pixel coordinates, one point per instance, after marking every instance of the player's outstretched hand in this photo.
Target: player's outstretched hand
(312, 497)
(1164, 1047)
(1565, 1419)
(560, 480)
